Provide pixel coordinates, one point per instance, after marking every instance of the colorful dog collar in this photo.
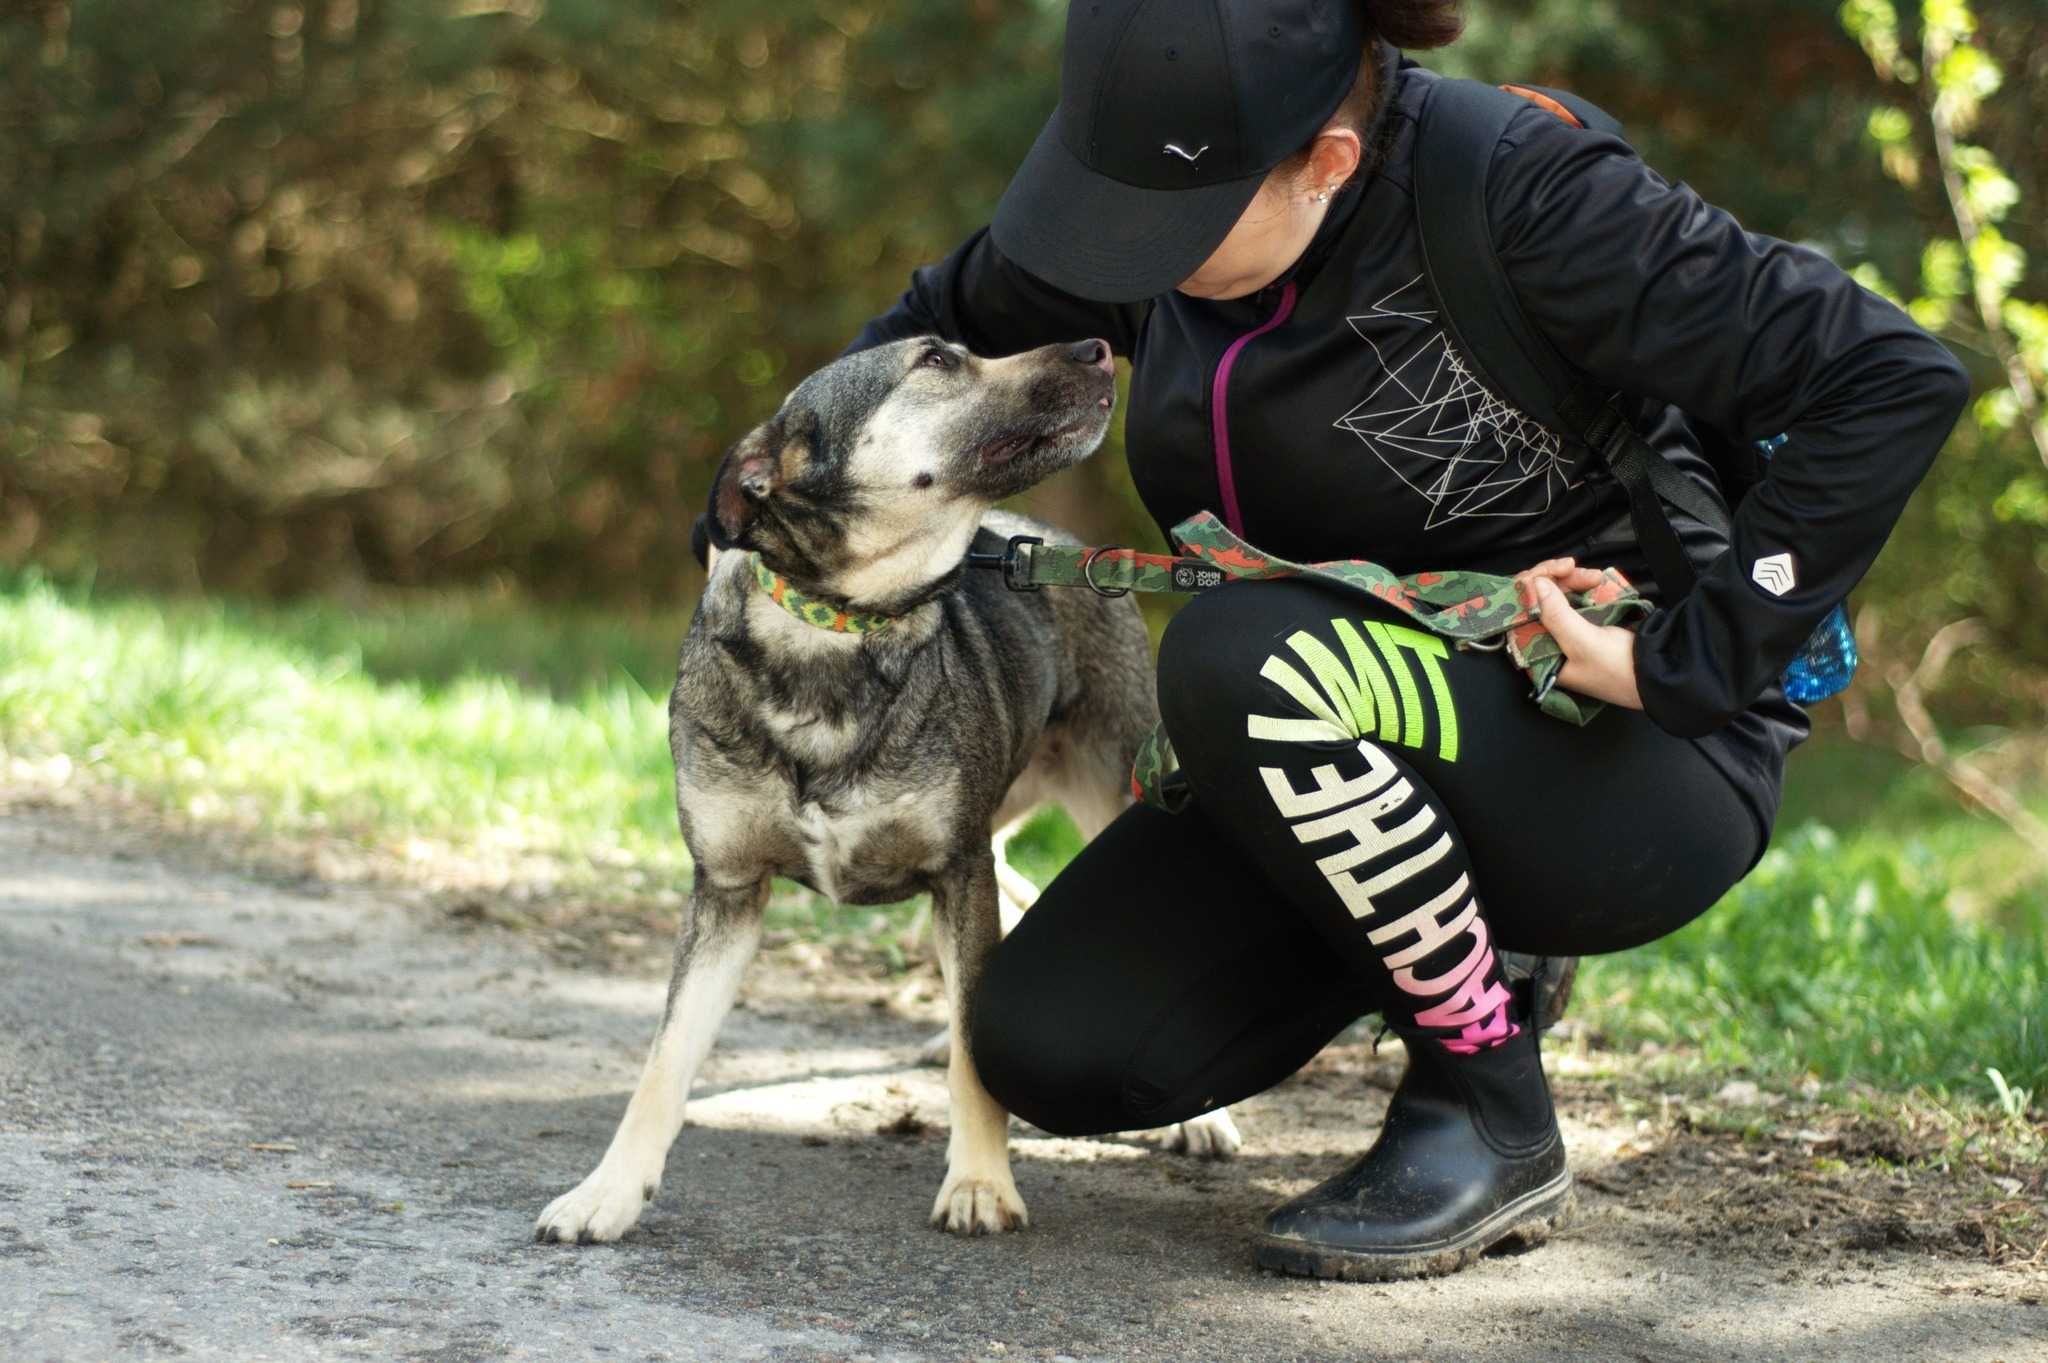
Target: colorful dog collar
(815, 612)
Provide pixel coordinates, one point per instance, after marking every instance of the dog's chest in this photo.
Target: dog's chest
(821, 777)
(873, 848)
(875, 843)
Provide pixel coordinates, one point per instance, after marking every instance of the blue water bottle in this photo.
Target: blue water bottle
(1827, 659)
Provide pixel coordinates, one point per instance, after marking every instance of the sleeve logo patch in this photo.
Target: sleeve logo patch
(1773, 573)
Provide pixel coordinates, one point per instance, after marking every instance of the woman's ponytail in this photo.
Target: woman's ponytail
(1415, 24)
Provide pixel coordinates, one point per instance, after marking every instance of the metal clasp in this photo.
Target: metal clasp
(1012, 563)
(1088, 572)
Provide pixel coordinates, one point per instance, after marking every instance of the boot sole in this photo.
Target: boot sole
(1527, 1221)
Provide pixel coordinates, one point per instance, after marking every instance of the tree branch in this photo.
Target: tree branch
(1908, 690)
(1935, 47)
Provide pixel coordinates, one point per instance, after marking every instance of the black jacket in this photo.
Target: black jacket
(1327, 415)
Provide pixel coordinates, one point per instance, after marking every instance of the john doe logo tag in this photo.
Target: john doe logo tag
(1195, 577)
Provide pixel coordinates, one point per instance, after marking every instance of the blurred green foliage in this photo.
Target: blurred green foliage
(300, 295)
(309, 295)
(1990, 506)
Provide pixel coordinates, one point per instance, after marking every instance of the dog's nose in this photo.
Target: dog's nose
(1095, 352)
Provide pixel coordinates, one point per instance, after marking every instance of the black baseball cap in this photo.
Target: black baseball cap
(1171, 112)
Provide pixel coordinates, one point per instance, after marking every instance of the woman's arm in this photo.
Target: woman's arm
(977, 297)
(1651, 290)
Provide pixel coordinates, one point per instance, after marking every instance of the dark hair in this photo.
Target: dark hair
(1417, 24)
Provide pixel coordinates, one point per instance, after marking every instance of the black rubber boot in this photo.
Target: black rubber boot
(1469, 1157)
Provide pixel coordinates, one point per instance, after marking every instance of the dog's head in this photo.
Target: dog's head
(879, 466)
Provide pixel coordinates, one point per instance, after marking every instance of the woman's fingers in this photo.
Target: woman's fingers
(1581, 580)
(1571, 579)
(1571, 630)
(1563, 571)
(1550, 567)
(1599, 659)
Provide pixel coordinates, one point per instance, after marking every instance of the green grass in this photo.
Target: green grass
(490, 735)
(494, 730)
(441, 638)
(1839, 956)
(1888, 936)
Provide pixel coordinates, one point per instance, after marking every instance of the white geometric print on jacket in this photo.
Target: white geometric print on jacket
(1440, 430)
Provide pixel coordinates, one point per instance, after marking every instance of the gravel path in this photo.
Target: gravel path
(244, 1121)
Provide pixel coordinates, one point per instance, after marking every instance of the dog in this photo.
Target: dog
(884, 737)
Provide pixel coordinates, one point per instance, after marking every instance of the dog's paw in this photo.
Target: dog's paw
(1213, 1135)
(602, 1207)
(938, 1050)
(979, 1205)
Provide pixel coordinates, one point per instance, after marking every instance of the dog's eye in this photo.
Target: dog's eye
(938, 359)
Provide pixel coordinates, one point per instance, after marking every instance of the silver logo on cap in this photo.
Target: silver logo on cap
(1190, 158)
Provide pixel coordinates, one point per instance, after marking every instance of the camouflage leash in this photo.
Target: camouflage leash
(1474, 610)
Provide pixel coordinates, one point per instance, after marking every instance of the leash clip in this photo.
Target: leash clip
(1013, 563)
(1017, 564)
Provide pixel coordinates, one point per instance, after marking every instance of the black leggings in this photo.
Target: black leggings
(1373, 814)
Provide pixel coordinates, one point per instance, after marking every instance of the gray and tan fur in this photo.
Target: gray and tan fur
(873, 767)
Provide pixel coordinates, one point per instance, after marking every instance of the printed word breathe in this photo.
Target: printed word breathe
(1377, 814)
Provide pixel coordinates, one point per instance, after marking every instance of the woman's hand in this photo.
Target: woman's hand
(1599, 660)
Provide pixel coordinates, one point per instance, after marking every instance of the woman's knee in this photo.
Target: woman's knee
(1031, 1058)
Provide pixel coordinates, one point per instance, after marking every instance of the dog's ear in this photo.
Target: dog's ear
(766, 460)
(745, 480)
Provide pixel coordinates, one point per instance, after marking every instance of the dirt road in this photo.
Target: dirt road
(245, 1121)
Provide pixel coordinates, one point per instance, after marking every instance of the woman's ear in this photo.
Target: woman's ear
(1334, 158)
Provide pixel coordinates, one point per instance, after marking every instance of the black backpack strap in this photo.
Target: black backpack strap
(1462, 123)
(1651, 483)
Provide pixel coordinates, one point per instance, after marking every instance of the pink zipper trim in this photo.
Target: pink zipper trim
(1218, 416)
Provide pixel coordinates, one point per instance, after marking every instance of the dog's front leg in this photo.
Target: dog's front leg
(979, 1194)
(720, 931)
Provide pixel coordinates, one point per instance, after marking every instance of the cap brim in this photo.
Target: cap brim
(1101, 239)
